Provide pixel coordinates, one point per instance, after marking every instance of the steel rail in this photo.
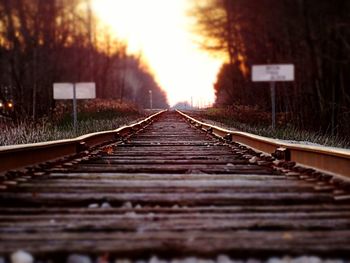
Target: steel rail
(19, 156)
(327, 160)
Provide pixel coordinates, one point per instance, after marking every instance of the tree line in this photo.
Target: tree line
(48, 41)
(312, 35)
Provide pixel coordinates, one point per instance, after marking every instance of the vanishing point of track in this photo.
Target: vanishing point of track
(173, 191)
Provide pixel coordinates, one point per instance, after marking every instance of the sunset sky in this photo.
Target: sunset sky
(162, 31)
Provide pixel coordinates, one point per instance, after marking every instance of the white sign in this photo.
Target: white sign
(86, 90)
(273, 73)
(62, 91)
(83, 90)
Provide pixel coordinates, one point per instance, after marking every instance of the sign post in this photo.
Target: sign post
(150, 99)
(74, 91)
(75, 111)
(273, 73)
(273, 103)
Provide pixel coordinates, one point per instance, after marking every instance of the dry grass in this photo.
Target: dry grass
(250, 120)
(94, 116)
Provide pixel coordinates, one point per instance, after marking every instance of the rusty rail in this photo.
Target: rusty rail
(18, 156)
(332, 161)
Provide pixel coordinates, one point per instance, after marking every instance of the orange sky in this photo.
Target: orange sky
(161, 30)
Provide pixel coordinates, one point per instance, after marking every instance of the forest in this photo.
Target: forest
(312, 35)
(47, 41)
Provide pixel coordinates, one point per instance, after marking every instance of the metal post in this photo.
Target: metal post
(273, 103)
(75, 118)
(150, 99)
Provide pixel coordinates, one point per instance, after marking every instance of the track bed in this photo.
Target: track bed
(172, 191)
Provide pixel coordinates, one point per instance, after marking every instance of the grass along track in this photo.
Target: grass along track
(284, 131)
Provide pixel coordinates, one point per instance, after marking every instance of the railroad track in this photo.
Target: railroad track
(170, 190)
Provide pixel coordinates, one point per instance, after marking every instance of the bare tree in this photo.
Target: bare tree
(47, 41)
(312, 35)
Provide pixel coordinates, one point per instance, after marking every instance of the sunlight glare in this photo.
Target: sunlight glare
(160, 29)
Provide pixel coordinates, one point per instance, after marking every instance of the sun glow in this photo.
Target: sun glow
(161, 31)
